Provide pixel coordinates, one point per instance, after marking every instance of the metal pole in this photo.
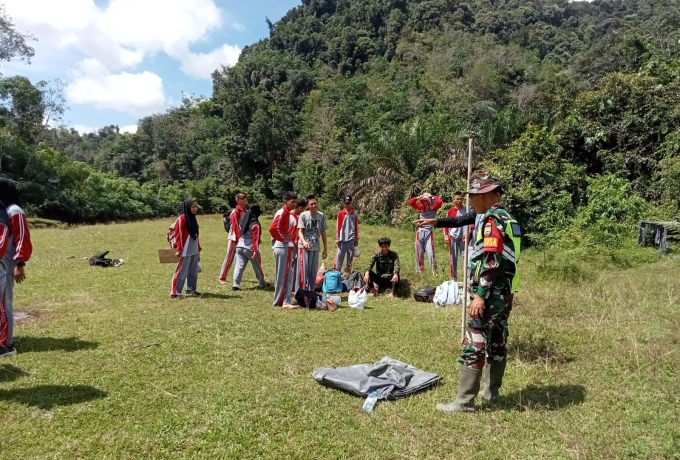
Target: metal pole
(466, 264)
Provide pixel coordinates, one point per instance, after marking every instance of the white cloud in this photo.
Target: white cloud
(121, 34)
(83, 129)
(135, 93)
(202, 65)
(237, 26)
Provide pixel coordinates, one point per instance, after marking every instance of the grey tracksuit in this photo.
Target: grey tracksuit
(283, 258)
(249, 244)
(243, 256)
(187, 268)
(17, 240)
(283, 226)
(347, 236)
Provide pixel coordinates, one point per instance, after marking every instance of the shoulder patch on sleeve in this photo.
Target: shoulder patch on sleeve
(493, 238)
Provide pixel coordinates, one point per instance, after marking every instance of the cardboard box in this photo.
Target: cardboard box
(167, 256)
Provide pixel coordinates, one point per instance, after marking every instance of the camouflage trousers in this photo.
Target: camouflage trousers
(486, 337)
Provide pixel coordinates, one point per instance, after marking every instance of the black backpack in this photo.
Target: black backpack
(100, 260)
(227, 221)
(306, 299)
(355, 280)
(425, 294)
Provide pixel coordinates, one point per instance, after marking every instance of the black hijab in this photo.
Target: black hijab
(9, 193)
(192, 223)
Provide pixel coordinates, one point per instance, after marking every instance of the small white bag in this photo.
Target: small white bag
(357, 298)
(357, 253)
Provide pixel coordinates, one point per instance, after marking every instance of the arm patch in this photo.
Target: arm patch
(493, 238)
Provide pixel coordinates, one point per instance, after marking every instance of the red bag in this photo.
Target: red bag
(319, 278)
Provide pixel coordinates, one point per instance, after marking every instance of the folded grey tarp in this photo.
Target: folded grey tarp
(390, 378)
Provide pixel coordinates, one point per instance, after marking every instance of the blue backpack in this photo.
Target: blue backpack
(331, 281)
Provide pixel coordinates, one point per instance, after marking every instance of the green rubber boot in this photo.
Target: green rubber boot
(493, 379)
(468, 387)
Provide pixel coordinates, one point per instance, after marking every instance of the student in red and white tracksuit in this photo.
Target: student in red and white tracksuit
(188, 250)
(453, 237)
(248, 249)
(283, 230)
(428, 206)
(15, 250)
(234, 234)
(346, 235)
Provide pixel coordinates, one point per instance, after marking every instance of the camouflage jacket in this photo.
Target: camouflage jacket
(385, 266)
(492, 261)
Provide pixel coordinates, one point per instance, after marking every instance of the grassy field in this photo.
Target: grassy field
(110, 367)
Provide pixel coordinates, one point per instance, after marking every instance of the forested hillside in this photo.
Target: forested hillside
(575, 105)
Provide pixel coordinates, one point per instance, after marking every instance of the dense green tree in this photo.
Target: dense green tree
(378, 98)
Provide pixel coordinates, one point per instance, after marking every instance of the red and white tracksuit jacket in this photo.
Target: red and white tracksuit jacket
(181, 234)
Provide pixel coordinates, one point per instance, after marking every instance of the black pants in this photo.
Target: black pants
(380, 281)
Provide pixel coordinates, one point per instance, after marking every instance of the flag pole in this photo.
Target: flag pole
(466, 264)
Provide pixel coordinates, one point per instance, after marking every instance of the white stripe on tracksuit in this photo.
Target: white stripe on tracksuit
(283, 258)
(425, 245)
(15, 248)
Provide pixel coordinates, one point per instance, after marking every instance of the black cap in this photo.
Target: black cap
(347, 199)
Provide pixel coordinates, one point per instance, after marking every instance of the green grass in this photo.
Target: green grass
(112, 368)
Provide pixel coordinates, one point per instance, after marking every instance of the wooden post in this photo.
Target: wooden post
(466, 262)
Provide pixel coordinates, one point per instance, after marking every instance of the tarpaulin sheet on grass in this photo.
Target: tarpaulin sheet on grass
(390, 378)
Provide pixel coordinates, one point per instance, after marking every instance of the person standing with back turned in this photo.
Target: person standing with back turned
(234, 234)
(453, 237)
(428, 206)
(346, 234)
(16, 250)
(282, 229)
(248, 247)
(494, 279)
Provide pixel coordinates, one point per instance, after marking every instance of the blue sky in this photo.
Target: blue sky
(125, 59)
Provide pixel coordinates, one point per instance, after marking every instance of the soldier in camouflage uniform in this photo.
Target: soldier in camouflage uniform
(493, 276)
(386, 274)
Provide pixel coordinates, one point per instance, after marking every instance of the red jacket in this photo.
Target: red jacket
(181, 234)
(453, 212)
(419, 205)
(256, 231)
(342, 233)
(4, 241)
(23, 248)
(282, 227)
(235, 218)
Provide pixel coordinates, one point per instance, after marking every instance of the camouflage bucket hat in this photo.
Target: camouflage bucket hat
(483, 183)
